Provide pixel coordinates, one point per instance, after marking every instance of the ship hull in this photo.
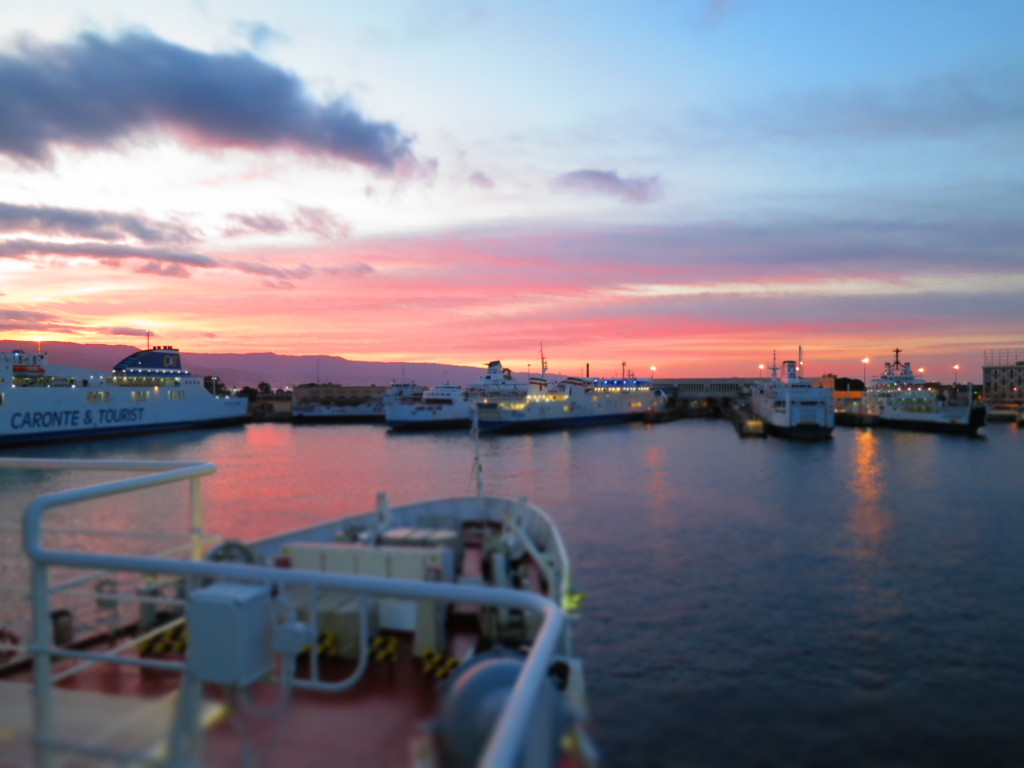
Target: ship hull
(417, 416)
(798, 431)
(427, 424)
(58, 436)
(578, 409)
(569, 422)
(969, 424)
(812, 418)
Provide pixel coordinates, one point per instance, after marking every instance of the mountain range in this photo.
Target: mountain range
(253, 368)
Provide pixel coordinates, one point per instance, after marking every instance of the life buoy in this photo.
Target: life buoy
(232, 551)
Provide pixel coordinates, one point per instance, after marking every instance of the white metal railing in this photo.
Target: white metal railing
(506, 740)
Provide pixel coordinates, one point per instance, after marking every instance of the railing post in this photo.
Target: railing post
(195, 492)
(42, 691)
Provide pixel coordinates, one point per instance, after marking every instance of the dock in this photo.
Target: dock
(746, 423)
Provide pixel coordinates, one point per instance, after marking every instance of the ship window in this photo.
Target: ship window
(1, 398)
(140, 396)
(176, 394)
(98, 397)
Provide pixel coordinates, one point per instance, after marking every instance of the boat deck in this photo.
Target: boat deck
(335, 642)
(381, 722)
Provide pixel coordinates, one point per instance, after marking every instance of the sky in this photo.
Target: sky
(687, 186)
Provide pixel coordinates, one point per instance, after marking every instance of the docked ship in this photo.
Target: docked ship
(148, 391)
(450, 406)
(430, 635)
(792, 406)
(368, 409)
(900, 398)
(572, 402)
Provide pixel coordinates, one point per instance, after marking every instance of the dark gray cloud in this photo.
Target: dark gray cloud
(22, 248)
(20, 320)
(94, 225)
(316, 221)
(23, 320)
(94, 92)
(322, 223)
(355, 269)
(267, 224)
(164, 270)
(156, 261)
(635, 190)
(122, 331)
(300, 273)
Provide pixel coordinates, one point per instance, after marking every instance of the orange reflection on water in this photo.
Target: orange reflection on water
(268, 435)
(869, 521)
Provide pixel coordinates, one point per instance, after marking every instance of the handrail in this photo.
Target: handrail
(510, 730)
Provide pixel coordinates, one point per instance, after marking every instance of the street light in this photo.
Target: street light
(865, 361)
(760, 369)
(956, 370)
(653, 369)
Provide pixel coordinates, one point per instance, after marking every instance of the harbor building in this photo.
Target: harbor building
(1003, 377)
(696, 393)
(336, 394)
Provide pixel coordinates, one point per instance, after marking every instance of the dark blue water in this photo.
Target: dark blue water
(748, 602)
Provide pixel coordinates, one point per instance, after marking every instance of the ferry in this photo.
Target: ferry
(429, 635)
(449, 406)
(148, 391)
(574, 402)
(792, 406)
(900, 398)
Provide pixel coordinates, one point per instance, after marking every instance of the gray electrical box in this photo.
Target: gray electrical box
(230, 628)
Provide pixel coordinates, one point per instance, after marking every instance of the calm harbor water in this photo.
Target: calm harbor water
(748, 602)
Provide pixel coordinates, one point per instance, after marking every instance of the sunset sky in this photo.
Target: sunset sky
(688, 185)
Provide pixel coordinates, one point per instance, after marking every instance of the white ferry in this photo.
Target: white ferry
(449, 406)
(431, 635)
(147, 391)
(792, 406)
(574, 402)
(901, 398)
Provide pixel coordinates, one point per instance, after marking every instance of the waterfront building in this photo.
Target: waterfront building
(336, 394)
(1003, 376)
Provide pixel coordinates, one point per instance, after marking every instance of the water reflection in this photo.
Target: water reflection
(869, 519)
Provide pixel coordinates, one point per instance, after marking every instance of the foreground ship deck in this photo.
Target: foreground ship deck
(429, 634)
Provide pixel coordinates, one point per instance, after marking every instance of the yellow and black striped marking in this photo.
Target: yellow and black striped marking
(438, 665)
(384, 648)
(327, 645)
(173, 640)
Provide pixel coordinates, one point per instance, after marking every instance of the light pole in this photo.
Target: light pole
(865, 361)
(956, 370)
(760, 371)
(653, 369)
